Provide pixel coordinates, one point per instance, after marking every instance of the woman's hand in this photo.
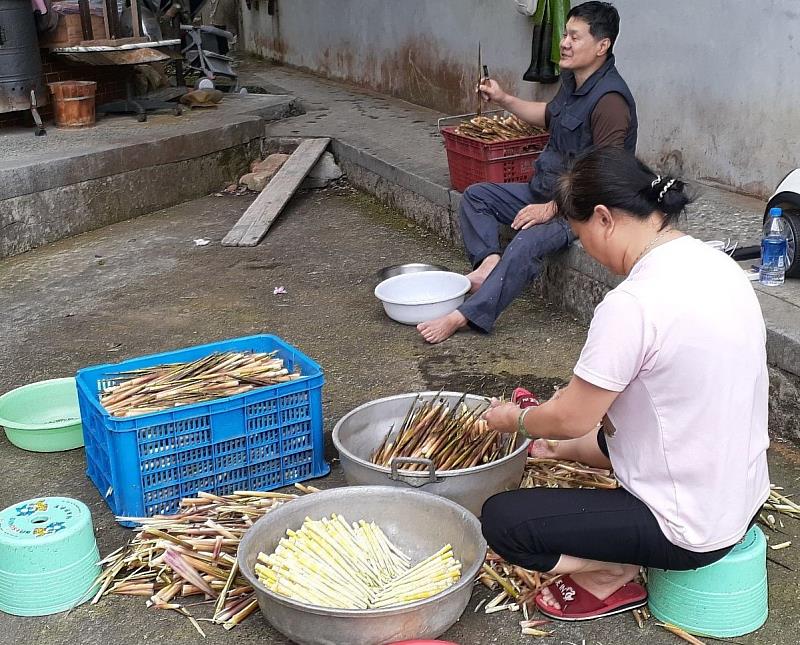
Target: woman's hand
(490, 90)
(502, 417)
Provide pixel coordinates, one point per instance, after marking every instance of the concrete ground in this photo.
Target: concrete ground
(142, 286)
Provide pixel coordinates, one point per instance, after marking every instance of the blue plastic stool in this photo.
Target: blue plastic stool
(724, 599)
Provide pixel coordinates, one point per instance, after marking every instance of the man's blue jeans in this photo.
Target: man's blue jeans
(484, 207)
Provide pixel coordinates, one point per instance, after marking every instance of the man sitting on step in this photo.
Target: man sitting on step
(593, 107)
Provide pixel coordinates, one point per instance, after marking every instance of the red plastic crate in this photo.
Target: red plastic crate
(472, 161)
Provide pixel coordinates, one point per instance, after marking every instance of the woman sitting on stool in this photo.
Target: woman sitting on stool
(675, 367)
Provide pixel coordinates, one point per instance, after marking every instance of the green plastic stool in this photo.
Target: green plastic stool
(724, 599)
(49, 560)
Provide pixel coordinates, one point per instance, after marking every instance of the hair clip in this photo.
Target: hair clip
(655, 181)
(664, 190)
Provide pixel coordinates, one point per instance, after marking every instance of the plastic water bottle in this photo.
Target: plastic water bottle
(773, 250)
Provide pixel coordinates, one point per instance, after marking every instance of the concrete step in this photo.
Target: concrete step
(72, 181)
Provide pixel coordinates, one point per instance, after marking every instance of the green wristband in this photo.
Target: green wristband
(521, 429)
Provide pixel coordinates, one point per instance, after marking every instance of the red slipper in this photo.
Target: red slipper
(525, 399)
(578, 604)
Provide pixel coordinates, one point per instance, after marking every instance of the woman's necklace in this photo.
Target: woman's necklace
(650, 245)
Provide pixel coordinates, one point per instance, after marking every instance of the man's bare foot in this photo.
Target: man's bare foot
(439, 329)
(478, 276)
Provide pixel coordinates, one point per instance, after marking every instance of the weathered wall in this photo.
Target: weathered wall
(714, 80)
(715, 83)
(223, 13)
(425, 51)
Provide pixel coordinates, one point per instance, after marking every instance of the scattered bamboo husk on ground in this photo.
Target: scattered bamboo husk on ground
(641, 615)
(681, 634)
(190, 554)
(497, 128)
(781, 503)
(156, 388)
(451, 436)
(565, 474)
(331, 563)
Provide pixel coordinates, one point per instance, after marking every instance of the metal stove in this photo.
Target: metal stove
(21, 86)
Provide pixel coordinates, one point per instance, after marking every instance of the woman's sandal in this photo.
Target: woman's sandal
(525, 399)
(579, 604)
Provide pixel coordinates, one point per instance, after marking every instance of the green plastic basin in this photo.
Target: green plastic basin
(43, 416)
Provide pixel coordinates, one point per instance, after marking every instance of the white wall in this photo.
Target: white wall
(715, 81)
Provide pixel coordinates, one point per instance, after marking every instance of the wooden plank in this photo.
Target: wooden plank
(86, 19)
(111, 15)
(106, 20)
(136, 22)
(112, 42)
(254, 224)
(120, 57)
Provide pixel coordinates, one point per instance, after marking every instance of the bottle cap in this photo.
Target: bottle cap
(775, 212)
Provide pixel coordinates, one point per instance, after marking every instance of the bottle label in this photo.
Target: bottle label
(773, 253)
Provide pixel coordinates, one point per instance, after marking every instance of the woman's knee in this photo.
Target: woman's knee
(498, 523)
(493, 523)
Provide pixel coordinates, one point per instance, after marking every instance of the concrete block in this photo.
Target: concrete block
(412, 205)
(27, 221)
(395, 173)
(784, 393)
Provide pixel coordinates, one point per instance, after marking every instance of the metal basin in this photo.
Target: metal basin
(418, 523)
(359, 433)
(412, 267)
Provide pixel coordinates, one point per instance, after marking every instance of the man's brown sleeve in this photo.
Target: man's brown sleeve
(611, 119)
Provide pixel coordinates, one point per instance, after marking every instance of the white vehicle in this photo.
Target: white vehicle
(787, 197)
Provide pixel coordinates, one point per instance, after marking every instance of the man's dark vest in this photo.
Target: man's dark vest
(571, 124)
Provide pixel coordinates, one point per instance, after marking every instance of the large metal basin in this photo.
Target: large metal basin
(359, 433)
(418, 523)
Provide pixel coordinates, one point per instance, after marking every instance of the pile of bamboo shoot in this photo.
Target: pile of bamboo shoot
(451, 436)
(497, 128)
(191, 555)
(156, 388)
(331, 563)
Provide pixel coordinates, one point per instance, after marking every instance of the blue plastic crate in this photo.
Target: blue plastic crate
(260, 440)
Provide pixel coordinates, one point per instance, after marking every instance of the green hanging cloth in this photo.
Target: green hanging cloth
(549, 22)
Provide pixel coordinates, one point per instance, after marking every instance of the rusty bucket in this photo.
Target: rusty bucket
(73, 103)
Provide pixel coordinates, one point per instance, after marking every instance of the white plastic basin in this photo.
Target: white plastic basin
(413, 298)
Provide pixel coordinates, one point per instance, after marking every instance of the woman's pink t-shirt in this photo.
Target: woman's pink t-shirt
(682, 340)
